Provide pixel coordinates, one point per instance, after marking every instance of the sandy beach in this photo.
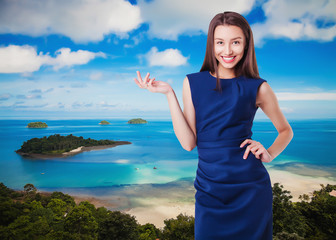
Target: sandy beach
(153, 203)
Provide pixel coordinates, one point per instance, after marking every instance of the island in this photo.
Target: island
(104, 122)
(37, 125)
(137, 121)
(56, 146)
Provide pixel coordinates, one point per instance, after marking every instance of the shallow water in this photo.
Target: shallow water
(153, 145)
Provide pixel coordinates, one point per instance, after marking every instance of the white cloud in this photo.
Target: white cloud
(66, 58)
(170, 18)
(104, 104)
(78, 105)
(296, 20)
(17, 59)
(294, 96)
(96, 76)
(82, 21)
(23, 59)
(169, 57)
(32, 96)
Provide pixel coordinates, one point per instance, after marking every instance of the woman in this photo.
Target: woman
(234, 192)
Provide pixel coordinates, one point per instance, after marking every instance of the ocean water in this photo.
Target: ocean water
(153, 145)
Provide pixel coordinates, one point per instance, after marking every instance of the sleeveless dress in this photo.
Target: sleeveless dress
(233, 195)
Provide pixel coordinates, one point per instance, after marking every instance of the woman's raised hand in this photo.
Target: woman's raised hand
(257, 149)
(152, 85)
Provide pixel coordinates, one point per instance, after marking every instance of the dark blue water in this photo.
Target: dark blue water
(153, 144)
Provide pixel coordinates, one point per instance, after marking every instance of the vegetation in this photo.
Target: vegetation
(313, 218)
(29, 214)
(56, 144)
(137, 121)
(37, 125)
(104, 122)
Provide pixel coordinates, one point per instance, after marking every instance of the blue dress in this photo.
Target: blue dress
(233, 195)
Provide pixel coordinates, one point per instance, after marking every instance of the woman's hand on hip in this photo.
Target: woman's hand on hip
(152, 85)
(257, 149)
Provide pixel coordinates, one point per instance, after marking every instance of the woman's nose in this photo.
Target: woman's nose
(227, 49)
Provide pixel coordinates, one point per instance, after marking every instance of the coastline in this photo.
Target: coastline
(72, 152)
(154, 203)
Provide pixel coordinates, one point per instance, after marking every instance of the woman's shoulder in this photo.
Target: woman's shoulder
(260, 80)
(253, 82)
(197, 75)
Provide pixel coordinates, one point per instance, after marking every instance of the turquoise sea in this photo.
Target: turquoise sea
(154, 144)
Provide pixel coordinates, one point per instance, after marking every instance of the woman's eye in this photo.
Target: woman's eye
(235, 42)
(219, 42)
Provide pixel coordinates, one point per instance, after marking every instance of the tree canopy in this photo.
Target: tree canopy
(29, 214)
(37, 125)
(137, 121)
(59, 144)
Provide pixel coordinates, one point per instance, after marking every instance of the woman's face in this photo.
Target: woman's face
(229, 45)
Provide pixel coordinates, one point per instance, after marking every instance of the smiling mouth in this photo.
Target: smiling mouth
(228, 59)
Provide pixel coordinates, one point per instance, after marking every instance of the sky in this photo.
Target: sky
(70, 59)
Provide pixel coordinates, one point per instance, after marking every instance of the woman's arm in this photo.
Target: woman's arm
(183, 122)
(268, 102)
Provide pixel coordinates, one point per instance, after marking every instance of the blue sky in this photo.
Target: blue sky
(71, 59)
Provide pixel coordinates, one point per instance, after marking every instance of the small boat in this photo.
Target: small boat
(42, 173)
(154, 168)
(136, 169)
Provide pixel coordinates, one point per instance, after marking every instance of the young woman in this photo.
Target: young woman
(234, 192)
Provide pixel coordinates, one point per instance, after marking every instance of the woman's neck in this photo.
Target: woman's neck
(225, 72)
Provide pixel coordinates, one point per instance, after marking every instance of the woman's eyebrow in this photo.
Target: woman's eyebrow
(230, 39)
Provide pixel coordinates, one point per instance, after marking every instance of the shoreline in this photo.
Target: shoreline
(154, 203)
(72, 152)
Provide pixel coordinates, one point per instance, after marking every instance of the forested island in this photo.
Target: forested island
(37, 125)
(137, 121)
(104, 122)
(62, 146)
(30, 214)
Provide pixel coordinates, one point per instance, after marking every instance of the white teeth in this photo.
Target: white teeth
(228, 59)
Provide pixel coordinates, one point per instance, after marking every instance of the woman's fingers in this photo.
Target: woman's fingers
(137, 82)
(245, 142)
(151, 81)
(254, 147)
(143, 83)
(257, 149)
(247, 151)
(146, 78)
(258, 153)
(139, 76)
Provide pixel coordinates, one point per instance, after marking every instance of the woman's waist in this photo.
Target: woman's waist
(216, 143)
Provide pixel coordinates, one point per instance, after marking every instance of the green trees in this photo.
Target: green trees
(59, 144)
(32, 215)
(137, 121)
(320, 213)
(313, 218)
(149, 232)
(180, 228)
(286, 218)
(37, 125)
(104, 122)
(118, 226)
(80, 223)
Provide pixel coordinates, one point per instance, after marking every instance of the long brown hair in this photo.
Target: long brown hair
(247, 66)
